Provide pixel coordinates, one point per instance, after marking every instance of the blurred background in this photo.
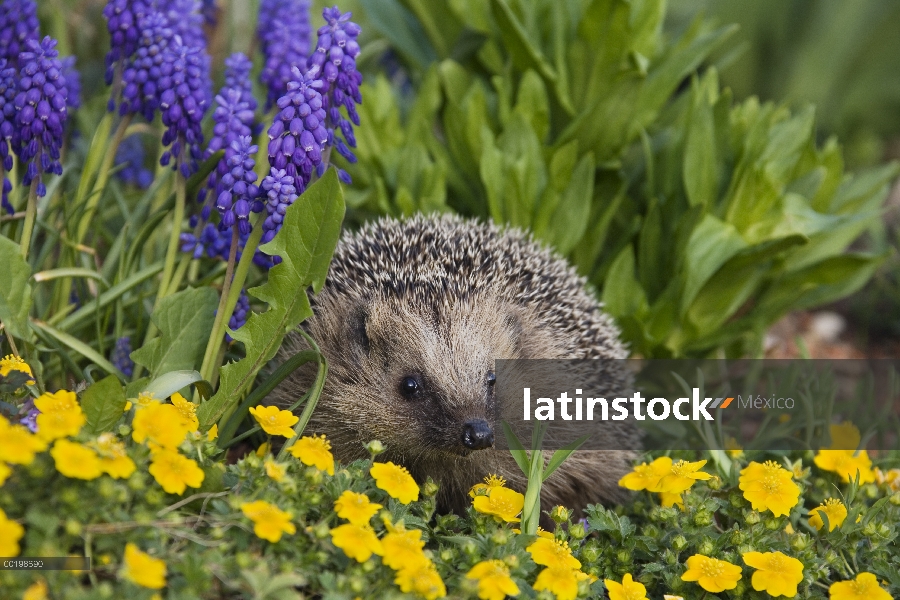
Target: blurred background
(843, 57)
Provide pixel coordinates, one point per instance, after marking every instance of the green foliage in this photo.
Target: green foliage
(700, 221)
(15, 294)
(305, 244)
(103, 404)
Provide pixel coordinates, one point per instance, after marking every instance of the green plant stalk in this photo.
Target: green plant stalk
(213, 343)
(208, 368)
(531, 511)
(102, 178)
(30, 216)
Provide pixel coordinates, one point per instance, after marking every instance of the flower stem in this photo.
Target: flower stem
(30, 217)
(212, 345)
(209, 368)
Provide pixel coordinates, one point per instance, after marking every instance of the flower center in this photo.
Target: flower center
(861, 588)
(711, 569)
(771, 484)
(776, 563)
(680, 468)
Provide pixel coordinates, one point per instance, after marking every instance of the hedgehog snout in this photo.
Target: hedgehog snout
(477, 435)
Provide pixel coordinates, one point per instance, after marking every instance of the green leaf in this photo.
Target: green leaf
(572, 215)
(109, 296)
(519, 454)
(168, 383)
(700, 175)
(103, 404)
(622, 294)
(710, 245)
(15, 293)
(306, 242)
(392, 20)
(78, 346)
(562, 454)
(185, 321)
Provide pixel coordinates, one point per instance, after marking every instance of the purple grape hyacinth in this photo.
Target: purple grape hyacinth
(334, 62)
(284, 33)
(8, 90)
(121, 356)
(131, 156)
(18, 25)
(183, 100)
(73, 82)
(280, 194)
(239, 191)
(40, 111)
(298, 135)
(240, 314)
(122, 20)
(144, 68)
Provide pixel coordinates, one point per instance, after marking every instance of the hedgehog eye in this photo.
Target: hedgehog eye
(409, 386)
(491, 378)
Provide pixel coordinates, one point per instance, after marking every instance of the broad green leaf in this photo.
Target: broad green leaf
(622, 294)
(77, 345)
(306, 242)
(650, 256)
(570, 219)
(392, 20)
(15, 293)
(700, 169)
(709, 247)
(439, 22)
(103, 404)
(561, 455)
(168, 383)
(532, 103)
(185, 321)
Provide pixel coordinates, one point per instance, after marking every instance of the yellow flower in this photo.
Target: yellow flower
(482, 489)
(789, 529)
(776, 574)
(846, 463)
(36, 591)
(732, 447)
(275, 471)
(835, 510)
(314, 452)
(629, 589)
(891, 478)
(553, 554)
(494, 582)
(187, 409)
(864, 587)
(844, 436)
(403, 549)
(10, 534)
(647, 476)
(769, 487)
(213, 432)
(143, 569)
(128, 405)
(269, 521)
(113, 459)
(501, 502)
(11, 362)
(681, 477)
(396, 481)
(421, 579)
(18, 445)
(355, 507)
(540, 533)
(263, 449)
(559, 581)
(359, 542)
(173, 471)
(161, 424)
(275, 421)
(146, 400)
(60, 415)
(5, 472)
(76, 461)
(712, 574)
(667, 499)
(669, 597)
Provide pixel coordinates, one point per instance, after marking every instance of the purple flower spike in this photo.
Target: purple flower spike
(121, 356)
(73, 82)
(122, 20)
(131, 155)
(240, 314)
(284, 32)
(298, 135)
(334, 63)
(9, 87)
(239, 190)
(40, 111)
(280, 194)
(144, 69)
(18, 25)
(183, 100)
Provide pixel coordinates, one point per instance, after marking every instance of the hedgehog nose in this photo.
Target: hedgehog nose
(477, 434)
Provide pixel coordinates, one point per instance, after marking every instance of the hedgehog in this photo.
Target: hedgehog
(412, 317)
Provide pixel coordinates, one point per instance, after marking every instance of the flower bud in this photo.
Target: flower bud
(447, 555)
(500, 537)
(895, 499)
(358, 584)
(244, 559)
(799, 541)
(590, 552)
(321, 530)
(884, 530)
(714, 483)
(870, 529)
(107, 488)
(623, 556)
(511, 561)
(578, 531)
(751, 518)
(313, 476)
(73, 527)
(559, 514)
(430, 489)
(773, 523)
(375, 447)
(670, 557)
(706, 547)
(702, 518)
(679, 543)
(738, 537)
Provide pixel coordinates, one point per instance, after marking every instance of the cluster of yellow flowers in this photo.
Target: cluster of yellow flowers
(667, 478)
(493, 498)
(843, 456)
(400, 549)
(163, 428)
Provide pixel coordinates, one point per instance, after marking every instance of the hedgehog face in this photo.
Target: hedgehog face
(425, 373)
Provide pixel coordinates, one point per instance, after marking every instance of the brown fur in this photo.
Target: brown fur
(442, 298)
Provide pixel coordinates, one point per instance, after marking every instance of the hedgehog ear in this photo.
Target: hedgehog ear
(358, 333)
